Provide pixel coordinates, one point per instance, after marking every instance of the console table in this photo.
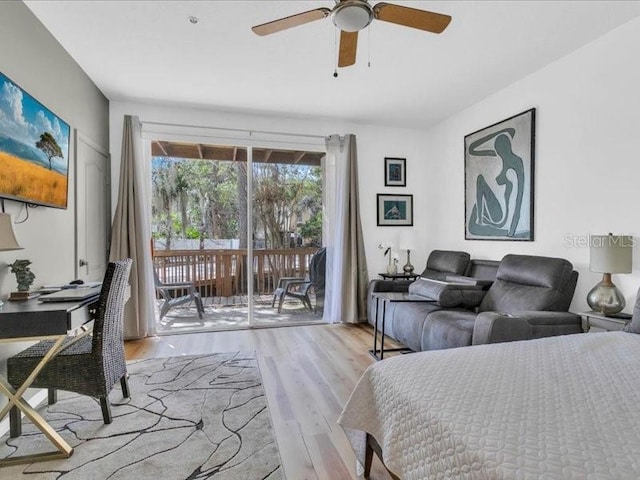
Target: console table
(34, 321)
(389, 297)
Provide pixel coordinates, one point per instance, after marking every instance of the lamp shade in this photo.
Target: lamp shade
(611, 253)
(7, 237)
(352, 16)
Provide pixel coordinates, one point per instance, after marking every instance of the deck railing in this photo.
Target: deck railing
(223, 273)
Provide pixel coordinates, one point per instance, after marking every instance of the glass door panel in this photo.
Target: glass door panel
(199, 240)
(286, 227)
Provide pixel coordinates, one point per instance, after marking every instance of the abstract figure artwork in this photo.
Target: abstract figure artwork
(499, 166)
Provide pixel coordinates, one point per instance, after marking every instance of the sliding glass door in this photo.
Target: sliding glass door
(239, 226)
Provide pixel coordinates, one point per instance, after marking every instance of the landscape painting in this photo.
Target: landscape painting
(34, 149)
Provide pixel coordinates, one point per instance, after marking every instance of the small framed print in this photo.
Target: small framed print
(395, 210)
(395, 172)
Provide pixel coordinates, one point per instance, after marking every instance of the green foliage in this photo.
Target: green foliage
(312, 229)
(200, 199)
(192, 232)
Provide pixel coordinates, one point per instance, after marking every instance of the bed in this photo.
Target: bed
(561, 407)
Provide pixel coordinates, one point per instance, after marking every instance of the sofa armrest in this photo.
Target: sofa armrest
(484, 284)
(389, 285)
(493, 327)
(447, 294)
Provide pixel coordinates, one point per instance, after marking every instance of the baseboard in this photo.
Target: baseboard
(34, 401)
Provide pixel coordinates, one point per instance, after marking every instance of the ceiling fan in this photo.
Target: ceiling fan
(351, 16)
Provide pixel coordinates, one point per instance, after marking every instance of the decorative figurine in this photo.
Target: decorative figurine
(24, 275)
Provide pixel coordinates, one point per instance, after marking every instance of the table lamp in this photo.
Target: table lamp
(609, 254)
(8, 240)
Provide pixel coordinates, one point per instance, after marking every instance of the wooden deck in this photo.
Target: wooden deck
(223, 273)
(228, 313)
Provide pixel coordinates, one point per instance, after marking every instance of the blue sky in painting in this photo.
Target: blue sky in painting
(24, 119)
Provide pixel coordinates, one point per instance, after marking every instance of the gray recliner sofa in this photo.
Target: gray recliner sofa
(440, 264)
(443, 266)
(529, 298)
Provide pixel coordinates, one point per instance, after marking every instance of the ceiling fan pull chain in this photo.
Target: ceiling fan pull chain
(335, 53)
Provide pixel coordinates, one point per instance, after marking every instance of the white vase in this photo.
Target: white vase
(392, 268)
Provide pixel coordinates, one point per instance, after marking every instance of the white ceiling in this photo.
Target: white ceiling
(148, 51)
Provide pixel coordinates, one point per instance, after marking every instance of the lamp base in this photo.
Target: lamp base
(606, 298)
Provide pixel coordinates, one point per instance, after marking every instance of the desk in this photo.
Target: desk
(32, 320)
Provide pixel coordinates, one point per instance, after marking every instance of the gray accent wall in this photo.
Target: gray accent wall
(33, 58)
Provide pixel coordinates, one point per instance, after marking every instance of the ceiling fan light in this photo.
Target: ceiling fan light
(352, 16)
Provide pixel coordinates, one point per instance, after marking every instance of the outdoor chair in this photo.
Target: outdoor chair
(298, 287)
(90, 365)
(172, 294)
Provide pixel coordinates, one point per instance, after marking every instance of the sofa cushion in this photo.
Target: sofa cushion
(446, 261)
(408, 321)
(448, 329)
(534, 270)
(448, 295)
(526, 282)
(482, 269)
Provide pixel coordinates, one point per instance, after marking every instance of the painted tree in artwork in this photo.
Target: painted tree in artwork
(49, 146)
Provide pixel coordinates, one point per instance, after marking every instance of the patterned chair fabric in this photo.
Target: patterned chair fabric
(90, 366)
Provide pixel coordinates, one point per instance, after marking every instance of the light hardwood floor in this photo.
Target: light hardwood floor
(308, 373)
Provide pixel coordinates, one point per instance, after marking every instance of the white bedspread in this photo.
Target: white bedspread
(562, 407)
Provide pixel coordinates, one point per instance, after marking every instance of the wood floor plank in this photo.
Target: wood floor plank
(308, 374)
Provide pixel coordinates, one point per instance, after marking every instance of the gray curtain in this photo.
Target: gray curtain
(347, 275)
(130, 235)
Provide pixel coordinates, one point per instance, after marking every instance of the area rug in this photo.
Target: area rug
(189, 418)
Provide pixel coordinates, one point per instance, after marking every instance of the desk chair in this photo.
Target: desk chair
(90, 366)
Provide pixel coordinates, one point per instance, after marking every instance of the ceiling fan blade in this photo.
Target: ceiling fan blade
(291, 21)
(411, 17)
(348, 47)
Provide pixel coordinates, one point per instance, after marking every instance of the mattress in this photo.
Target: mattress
(562, 407)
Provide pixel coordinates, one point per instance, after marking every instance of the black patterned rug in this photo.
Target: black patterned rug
(189, 418)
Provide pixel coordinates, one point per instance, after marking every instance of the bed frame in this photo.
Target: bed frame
(371, 448)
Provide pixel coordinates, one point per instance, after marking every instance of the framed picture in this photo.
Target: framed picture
(34, 149)
(499, 174)
(395, 210)
(395, 172)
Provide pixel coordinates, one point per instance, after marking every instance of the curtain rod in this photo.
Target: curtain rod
(250, 132)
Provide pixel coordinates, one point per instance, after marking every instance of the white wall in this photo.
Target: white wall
(587, 160)
(587, 165)
(374, 143)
